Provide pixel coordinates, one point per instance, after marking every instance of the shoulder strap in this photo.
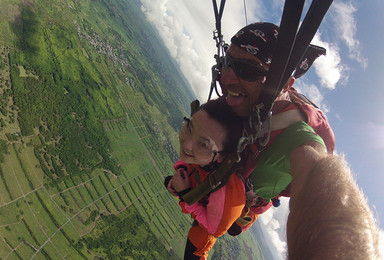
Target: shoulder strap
(214, 180)
(291, 45)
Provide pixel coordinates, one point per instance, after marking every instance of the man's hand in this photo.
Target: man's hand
(180, 180)
(329, 216)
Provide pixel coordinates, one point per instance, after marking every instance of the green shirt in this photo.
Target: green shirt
(273, 170)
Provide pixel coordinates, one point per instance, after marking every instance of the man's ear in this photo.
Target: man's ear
(263, 80)
(289, 84)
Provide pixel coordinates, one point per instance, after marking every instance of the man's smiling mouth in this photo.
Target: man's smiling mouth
(235, 94)
(235, 98)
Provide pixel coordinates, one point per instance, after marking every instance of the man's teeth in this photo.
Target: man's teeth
(233, 93)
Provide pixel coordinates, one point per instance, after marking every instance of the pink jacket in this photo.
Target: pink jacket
(221, 208)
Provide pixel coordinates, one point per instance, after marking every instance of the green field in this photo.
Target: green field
(90, 106)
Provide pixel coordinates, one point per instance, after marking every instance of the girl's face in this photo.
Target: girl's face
(200, 139)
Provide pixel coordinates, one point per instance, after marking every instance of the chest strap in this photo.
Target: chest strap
(215, 180)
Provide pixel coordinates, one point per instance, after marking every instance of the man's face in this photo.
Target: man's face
(241, 94)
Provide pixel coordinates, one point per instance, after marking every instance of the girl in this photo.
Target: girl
(205, 139)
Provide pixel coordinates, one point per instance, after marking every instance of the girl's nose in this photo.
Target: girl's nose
(187, 144)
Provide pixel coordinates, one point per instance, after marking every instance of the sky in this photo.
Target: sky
(347, 83)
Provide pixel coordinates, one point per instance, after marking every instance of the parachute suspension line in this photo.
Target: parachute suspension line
(292, 44)
(220, 45)
(218, 15)
(245, 12)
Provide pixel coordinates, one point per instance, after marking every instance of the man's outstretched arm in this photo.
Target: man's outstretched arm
(329, 216)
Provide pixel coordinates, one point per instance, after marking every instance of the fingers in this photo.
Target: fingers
(171, 189)
(182, 173)
(180, 180)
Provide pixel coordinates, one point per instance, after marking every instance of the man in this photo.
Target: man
(329, 216)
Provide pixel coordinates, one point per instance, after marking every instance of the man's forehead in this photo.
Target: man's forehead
(258, 39)
(240, 53)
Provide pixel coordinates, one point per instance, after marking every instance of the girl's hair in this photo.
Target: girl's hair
(220, 111)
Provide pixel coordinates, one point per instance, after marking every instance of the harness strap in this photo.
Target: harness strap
(218, 15)
(215, 180)
(220, 45)
(196, 175)
(306, 32)
(244, 219)
(287, 34)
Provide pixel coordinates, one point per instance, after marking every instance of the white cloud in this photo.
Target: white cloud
(313, 93)
(186, 28)
(344, 21)
(328, 67)
(374, 135)
(275, 224)
(278, 5)
(183, 35)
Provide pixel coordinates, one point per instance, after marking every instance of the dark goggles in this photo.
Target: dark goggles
(245, 69)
